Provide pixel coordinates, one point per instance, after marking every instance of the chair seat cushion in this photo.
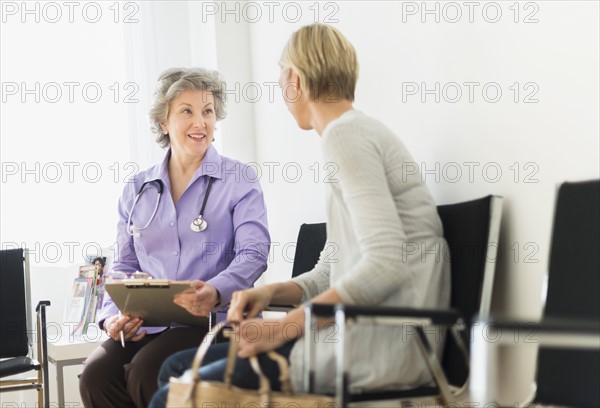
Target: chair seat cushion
(18, 365)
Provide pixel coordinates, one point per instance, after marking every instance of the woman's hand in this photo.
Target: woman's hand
(200, 302)
(130, 326)
(259, 335)
(252, 301)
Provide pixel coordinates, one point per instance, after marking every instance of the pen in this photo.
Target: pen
(121, 333)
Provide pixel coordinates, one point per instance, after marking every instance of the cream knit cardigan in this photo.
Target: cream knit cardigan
(384, 246)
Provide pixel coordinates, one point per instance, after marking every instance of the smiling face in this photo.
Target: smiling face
(191, 124)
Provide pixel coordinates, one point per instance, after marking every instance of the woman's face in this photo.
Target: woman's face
(294, 98)
(191, 123)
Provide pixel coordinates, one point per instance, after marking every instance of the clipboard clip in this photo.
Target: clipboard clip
(147, 283)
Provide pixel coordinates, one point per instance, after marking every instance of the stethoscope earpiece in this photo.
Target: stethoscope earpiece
(133, 232)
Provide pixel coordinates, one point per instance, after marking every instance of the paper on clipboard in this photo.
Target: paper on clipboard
(152, 301)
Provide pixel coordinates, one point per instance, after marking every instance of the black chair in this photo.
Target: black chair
(310, 243)
(471, 230)
(16, 331)
(568, 365)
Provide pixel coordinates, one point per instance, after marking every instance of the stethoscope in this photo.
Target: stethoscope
(198, 224)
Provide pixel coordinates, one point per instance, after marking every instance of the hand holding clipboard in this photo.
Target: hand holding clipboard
(152, 300)
(201, 302)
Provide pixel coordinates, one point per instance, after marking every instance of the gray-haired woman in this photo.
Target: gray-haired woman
(156, 234)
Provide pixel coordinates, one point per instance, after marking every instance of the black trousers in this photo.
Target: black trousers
(127, 377)
(213, 369)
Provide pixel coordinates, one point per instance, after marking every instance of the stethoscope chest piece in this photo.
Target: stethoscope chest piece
(199, 224)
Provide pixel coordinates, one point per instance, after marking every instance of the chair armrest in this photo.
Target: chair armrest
(435, 316)
(582, 326)
(386, 315)
(549, 332)
(280, 308)
(42, 303)
(489, 335)
(42, 354)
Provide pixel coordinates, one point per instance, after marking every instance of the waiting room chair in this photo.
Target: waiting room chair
(471, 230)
(568, 364)
(310, 243)
(15, 328)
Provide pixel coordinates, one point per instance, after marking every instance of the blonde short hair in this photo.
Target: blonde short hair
(176, 80)
(325, 61)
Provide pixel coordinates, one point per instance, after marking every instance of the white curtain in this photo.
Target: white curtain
(168, 34)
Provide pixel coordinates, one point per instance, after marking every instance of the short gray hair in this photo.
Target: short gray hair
(176, 80)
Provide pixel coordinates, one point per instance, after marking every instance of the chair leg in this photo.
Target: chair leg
(40, 390)
(44, 399)
(435, 368)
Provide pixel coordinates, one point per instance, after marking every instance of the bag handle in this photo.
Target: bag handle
(264, 383)
(284, 371)
(265, 386)
(264, 389)
(199, 356)
(203, 348)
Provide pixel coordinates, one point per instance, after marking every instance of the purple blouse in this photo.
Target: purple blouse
(230, 254)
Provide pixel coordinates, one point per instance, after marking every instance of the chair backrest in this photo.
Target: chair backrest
(567, 376)
(15, 318)
(311, 241)
(471, 230)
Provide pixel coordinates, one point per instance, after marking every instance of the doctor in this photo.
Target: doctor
(195, 216)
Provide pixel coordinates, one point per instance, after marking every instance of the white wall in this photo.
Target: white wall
(50, 203)
(57, 210)
(552, 140)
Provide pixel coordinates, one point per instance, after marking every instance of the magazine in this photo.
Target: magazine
(86, 298)
(77, 303)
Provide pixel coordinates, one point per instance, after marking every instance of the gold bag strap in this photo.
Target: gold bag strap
(203, 348)
(284, 371)
(265, 387)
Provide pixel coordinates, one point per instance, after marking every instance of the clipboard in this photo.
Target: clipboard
(152, 301)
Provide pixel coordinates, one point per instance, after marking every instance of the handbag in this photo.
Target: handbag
(186, 392)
